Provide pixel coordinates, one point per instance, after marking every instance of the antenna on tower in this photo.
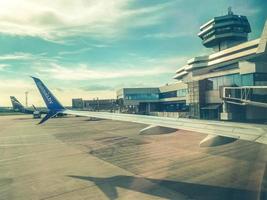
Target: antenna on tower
(230, 12)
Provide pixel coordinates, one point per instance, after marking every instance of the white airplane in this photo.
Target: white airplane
(219, 132)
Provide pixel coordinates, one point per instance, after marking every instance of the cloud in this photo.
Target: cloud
(28, 57)
(16, 56)
(54, 20)
(97, 87)
(59, 89)
(17, 87)
(78, 51)
(3, 66)
(102, 81)
(84, 72)
(167, 35)
(147, 67)
(11, 87)
(18, 84)
(249, 9)
(113, 87)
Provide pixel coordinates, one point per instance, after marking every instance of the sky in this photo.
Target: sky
(90, 48)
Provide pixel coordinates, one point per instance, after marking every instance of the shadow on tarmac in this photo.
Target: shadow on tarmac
(151, 187)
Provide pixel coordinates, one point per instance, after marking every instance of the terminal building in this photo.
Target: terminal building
(229, 84)
(169, 98)
(95, 104)
(132, 100)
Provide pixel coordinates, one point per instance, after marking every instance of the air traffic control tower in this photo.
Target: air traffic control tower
(231, 82)
(225, 31)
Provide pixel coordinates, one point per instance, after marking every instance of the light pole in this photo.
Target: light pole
(26, 98)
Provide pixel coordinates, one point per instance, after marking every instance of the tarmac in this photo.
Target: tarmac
(75, 158)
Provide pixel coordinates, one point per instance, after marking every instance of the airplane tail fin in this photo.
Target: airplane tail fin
(16, 104)
(53, 105)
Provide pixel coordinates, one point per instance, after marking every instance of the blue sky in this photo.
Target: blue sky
(90, 48)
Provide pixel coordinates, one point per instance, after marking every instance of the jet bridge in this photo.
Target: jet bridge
(246, 95)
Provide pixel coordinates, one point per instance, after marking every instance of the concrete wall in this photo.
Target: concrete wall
(253, 67)
(247, 67)
(119, 93)
(212, 96)
(170, 114)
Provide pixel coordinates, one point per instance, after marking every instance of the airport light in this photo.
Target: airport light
(26, 98)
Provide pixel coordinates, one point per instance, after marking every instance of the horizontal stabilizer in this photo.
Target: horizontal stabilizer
(216, 140)
(156, 130)
(48, 116)
(34, 107)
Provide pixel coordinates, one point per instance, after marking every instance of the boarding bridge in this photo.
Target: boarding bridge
(246, 95)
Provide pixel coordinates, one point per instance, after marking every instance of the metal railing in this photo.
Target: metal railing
(246, 95)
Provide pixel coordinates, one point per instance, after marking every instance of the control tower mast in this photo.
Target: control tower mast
(225, 31)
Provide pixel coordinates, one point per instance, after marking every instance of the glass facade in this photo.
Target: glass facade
(247, 80)
(260, 79)
(230, 80)
(173, 106)
(170, 94)
(175, 93)
(258, 95)
(144, 96)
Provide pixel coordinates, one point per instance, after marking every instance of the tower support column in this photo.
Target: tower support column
(226, 114)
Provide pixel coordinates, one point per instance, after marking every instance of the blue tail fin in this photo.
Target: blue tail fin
(50, 100)
(16, 104)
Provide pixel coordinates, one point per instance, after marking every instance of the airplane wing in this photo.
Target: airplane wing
(250, 132)
(244, 131)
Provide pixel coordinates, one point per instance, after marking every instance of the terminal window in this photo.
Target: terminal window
(148, 96)
(230, 80)
(168, 94)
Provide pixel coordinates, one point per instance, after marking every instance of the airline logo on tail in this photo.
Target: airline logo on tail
(46, 94)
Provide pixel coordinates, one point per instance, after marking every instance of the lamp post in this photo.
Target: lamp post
(26, 98)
